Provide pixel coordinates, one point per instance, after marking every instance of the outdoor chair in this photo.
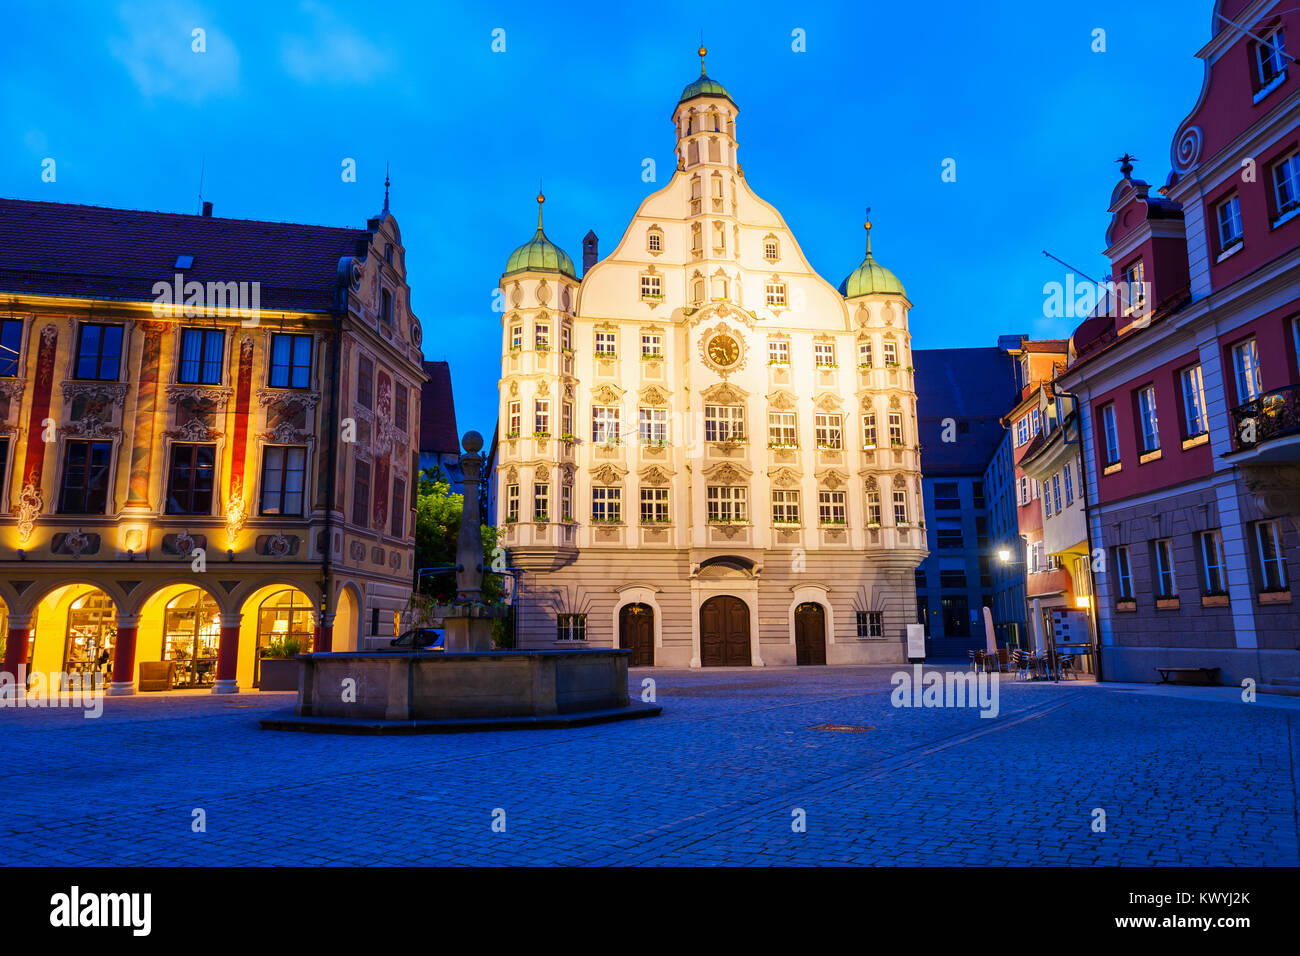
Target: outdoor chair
(1067, 667)
(970, 656)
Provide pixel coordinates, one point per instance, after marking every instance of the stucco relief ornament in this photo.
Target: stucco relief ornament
(184, 544)
(236, 514)
(278, 545)
(30, 505)
(76, 543)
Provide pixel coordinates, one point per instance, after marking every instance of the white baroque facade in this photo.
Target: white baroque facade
(708, 454)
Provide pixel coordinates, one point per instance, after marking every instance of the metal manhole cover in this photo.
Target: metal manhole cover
(843, 728)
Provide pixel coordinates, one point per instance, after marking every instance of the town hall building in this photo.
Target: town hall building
(707, 454)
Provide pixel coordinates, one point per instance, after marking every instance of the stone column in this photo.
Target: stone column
(16, 650)
(469, 545)
(228, 655)
(124, 656)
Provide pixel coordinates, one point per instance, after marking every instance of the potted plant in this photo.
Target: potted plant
(278, 668)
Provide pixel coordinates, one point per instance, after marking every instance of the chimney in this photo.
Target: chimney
(589, 253)
(207, 209)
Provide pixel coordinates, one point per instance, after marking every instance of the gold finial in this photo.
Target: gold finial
(703, 54)
(540, 199)
(867, 226)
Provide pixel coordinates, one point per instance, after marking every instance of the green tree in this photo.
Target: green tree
(437, 528)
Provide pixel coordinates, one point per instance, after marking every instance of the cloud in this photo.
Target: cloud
(330, 51)
(156, 43)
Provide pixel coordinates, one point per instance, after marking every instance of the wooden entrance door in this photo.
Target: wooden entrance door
(636, 633)
(809, 634)
(724, 632)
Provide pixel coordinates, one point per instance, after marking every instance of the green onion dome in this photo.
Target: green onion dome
(539, 254)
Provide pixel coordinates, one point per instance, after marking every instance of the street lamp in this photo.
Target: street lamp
(1004, 555)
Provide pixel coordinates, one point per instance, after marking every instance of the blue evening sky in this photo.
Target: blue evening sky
(581, 96)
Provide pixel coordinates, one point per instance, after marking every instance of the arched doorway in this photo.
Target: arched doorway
(282, 616)
(724, 632)
(192, 637)
(91, 636)
(636, 633)
(809, 634)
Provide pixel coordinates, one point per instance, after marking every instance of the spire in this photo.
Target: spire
(867, 226)
(385, 187)
(541, 198)
(703, 53)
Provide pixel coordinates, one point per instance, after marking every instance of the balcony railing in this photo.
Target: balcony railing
(1269, 416)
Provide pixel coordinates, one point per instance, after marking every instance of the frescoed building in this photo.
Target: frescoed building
(707, 453)
(192, 485)
(1190, 385)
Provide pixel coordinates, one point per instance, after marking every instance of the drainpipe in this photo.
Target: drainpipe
(1087, 520)
(331, 454)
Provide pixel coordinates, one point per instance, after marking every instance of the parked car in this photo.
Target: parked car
(420, 639)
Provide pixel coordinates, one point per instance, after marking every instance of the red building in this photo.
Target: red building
(1189, 382)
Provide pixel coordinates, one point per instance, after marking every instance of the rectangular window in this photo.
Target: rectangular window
(654, 505)
(727, 503)
(516, 337)
(1148, 425)
(566, 502)
(1228, 214)
(398, 522)
(864, 355)
(571, 627)
(284, 474)
(824, 354)
(947, 496)
(542, 417)
(1047, 506)
(1056, 492)
(891, 353)
(870, 623)
(775, 292)
(785, 506)
(606, 344)
(873, 507)
(895, 428)
(361, 493)
(604, 424)
(1069, 487)
(1272, 556)
(724, 422)
(290, 360)
(1135, 289)
(85, 477)
(201, 351)
(512, 502)
(1166, 583)
(652, 287)
(566, 338)
(566, 418)
(542, 337)
(606, 504)
(386, 308)
(541, 501)
(189, 479)
(1286, 186)
(401, 408)
(1270, 57)
(652, 345)
(11, 345)
(1213, 578)
(1194, 402)
(778, 353)
(1022, 431)
(515, 419)
(900, 507)
(1035, 421)
(869, 431)
(828, 432)
(365, 382)
(782, 429)
(1111, 432)
(1245, 367)
(831, 507)
(950, 538)
(99, 352)
(1123, 574)
(653, 426)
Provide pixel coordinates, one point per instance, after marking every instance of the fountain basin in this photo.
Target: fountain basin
(432, 692)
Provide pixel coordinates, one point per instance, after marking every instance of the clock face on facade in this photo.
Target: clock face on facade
(724, 350)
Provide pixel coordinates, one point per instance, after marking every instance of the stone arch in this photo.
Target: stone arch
(348, 603)
(812, 593)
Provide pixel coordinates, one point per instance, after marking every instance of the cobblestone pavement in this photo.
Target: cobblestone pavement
(718, 779)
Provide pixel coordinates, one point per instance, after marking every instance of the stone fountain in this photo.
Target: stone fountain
(468, 686)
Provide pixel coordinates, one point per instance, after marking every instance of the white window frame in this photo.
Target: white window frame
(1245, 371)
(1227, 216)
(1124, 573)
(1166, 572)
(605, 424)
(652, 286)
(783, 429)
(828, 430)
(606, 344)
(832, 507)
(654, 505)
(652, 426)
(900, 507)
(1148, 419)
(1272, 556)
(785, 506)
(724, 422)
(824, 354)
(727, 503)
(1110, 430)
(1193, 383)
(606, 504)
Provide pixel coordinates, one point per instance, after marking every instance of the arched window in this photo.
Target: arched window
(191, 638)
(285, 614)
(697, 291)
(92, 635)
